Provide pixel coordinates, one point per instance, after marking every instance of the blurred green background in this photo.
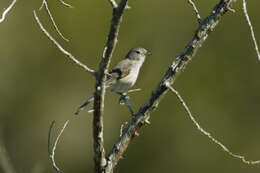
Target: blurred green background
(39, 84)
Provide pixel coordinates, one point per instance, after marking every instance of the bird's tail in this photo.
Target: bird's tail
(84, 105)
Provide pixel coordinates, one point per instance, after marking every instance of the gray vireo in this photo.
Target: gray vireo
(124, 75)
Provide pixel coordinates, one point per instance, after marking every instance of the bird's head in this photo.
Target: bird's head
(138, 54)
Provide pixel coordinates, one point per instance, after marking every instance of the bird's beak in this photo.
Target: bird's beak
(148, 53)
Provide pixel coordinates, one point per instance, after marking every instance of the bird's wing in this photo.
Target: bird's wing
(121, 70)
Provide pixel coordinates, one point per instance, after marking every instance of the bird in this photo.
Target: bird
(124, 74)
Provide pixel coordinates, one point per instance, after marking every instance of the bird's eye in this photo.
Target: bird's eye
(138, 52)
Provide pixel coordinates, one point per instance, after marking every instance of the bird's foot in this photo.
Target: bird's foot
(124, 99)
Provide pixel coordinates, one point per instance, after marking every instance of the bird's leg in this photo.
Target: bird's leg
(84, 105)
(125, 98)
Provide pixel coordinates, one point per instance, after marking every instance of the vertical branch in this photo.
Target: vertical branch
(99, 151)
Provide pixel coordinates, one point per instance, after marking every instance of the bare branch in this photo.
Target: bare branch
(201, 34)
(100, 89)
(7, 10)
(52, 151)
(251, 28)
(113, 3)
(99, 151)
(44, 3)
(61, 48)
(207, 133)
(66, 4)
(195, 10)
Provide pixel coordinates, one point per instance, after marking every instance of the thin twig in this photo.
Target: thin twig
(195, 10)
(251, 28)
(177, 66)
(207, 133)
(44, 3)
(52, 151)
(113, 3)
(7, 10)
(61, 48)
(66, 4)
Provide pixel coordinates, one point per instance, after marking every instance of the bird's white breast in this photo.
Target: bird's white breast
(132, 76)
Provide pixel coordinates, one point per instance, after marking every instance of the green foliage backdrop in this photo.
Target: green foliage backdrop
(39, 84)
